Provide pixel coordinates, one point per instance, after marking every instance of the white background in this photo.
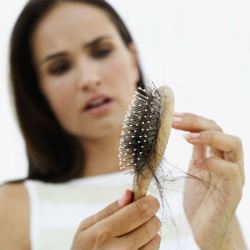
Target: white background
(201, 49)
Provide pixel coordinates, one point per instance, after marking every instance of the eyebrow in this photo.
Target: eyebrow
(87, 45)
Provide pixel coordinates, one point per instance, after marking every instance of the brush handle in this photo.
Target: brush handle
(140, 186)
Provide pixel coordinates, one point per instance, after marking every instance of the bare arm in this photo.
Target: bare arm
(14, 217)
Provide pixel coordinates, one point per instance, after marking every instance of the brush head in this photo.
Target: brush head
(140, 129)
(145, 134)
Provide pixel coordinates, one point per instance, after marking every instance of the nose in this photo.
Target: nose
(88, 78)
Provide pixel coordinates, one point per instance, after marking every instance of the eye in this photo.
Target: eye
(102, 53)
(59, 68)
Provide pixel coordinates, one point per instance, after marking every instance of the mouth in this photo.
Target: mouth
(98, 105)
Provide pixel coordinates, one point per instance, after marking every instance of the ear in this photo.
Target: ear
(134, 60)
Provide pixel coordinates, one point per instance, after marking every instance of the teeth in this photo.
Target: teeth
(97, 102)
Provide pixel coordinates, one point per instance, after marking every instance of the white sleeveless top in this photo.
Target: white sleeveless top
(56, 210)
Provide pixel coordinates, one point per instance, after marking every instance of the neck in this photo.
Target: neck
(101, 155)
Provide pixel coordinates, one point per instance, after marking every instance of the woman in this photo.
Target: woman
(74, 69)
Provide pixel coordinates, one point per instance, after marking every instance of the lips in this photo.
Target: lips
(97, 102)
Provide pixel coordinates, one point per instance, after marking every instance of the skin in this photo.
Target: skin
(116, 75)
(109, 229)
(211, 208)
(79, 72)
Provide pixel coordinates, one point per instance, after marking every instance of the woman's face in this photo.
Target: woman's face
(85, 70)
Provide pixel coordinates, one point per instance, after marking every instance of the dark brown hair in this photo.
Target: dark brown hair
(53, 154)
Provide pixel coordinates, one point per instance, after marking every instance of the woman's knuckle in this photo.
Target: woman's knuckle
(214, 125)
(146, 207)
(82, 226)
(217, 127)
(157, 239)
(155, 243)
(153, 202)
(102, 236)
(152, 227)
(156, 222)
(142, 208)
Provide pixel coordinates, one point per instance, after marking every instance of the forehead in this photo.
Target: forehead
(69, 23)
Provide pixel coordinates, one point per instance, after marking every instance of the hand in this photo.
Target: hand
(121, 226)
(212, 196)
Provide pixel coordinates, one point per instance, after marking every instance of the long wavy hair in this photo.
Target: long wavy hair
(53, 154)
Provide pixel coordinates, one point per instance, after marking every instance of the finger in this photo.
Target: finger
(194, 123)
(106, 212)
(154, 244)
(229, 144)
(198, 152)
(143, 234)
(201, 151)
(212, 152)
(220, 167)
(131, 216)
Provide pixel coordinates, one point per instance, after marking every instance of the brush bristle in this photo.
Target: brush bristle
(140, 130)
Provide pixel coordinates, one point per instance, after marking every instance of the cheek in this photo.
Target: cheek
(121, 73)
(59, 94)
(120, 76)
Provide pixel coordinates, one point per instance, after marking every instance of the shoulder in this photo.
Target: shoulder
(14, 216)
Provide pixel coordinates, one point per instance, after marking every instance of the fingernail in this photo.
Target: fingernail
(192, 136)
(122, 200)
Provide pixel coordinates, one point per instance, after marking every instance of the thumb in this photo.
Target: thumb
(107, 211)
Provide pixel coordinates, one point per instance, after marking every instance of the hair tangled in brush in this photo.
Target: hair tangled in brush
(145, 135)
(140, 131)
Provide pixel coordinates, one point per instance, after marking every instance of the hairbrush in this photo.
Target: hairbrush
(145, 134)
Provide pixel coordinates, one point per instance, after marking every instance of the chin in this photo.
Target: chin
(109, 129)
(104, 129)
